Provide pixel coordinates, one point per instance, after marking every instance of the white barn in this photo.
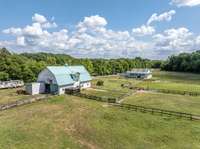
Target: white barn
(57, 79)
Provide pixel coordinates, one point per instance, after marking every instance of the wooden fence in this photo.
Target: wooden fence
(156, 110)
(22, 102)
(167, 91)
(113, 102)
(98, 98)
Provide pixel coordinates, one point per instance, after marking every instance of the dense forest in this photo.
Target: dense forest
(26, 66)
(184, 62)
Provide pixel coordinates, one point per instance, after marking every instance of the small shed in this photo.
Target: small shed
(35, 88)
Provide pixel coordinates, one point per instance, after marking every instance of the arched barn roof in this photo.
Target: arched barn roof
(63, 74)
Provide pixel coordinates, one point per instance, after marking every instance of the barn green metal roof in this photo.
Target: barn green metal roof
(63, 74)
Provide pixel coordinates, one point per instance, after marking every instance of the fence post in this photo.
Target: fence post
(191, 118)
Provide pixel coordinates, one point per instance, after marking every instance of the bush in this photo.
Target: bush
(21, 92)
(100, 83)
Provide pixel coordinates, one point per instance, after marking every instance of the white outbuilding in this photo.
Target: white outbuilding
(138, 73)
(35, 88)
(58, 79)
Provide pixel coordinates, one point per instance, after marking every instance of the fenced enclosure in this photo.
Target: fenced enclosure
(97, 98)
(166, 91)
(156, 110)
(11, 84)
(22, 102)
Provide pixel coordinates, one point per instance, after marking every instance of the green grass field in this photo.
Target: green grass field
(114, 83)
(72, 122)
(103, 93)
(177, 77)
(10, 95)
(69, 122)
(173, 81)
(170, 86)
(173, 102)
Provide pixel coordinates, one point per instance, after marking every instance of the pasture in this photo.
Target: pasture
(73, 122)
(180, 82)
(10, 95)
(78, 123)
(172, 102)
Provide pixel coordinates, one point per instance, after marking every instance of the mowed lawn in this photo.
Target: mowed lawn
(178, 77)
(114, 83)
(103, 93)
(179, 103)
(173, 81)
(170, 86)
(76, 123)
(112, 86)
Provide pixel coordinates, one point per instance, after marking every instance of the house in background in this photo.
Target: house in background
(138, 73)
(58, 79)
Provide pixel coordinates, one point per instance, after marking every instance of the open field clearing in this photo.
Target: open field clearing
(173, 81)
(177, 77)
(173, 102)
(170, 86)
(72, 122)
(114, 83)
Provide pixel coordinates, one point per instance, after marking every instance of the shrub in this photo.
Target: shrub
(100, 83)
(21, 92)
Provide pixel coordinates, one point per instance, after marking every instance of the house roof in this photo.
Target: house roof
(140, 71)
(63, 74)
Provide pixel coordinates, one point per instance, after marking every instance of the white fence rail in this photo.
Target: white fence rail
(11, 84)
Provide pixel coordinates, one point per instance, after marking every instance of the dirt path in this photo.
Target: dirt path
(129, 94)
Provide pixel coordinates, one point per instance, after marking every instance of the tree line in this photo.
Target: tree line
(184, 62)
(27, 66)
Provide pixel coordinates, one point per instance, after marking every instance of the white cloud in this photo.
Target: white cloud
(143, 30)
(92, 38)
(42, 20)
(93, 21)
(166, 16)
(181, 3)
(172, 41)
(20, 41)
(39, 18)
(148, 29)
(13, 31)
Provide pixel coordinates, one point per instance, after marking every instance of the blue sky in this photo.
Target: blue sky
(118, 32)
